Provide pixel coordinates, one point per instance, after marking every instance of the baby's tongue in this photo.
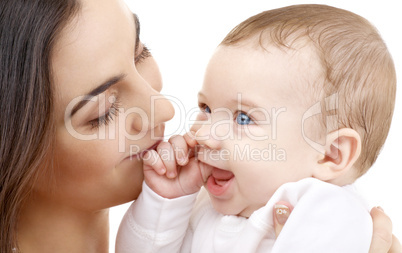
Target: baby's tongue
(221, 176)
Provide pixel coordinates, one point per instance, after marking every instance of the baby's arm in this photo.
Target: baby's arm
(154, 224)
(159, 218)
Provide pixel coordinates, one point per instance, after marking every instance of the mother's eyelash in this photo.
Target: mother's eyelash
(145, 53)
(107, 117)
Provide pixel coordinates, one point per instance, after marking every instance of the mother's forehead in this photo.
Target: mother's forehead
(93, 47)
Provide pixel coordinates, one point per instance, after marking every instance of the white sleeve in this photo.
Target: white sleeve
(154, 224)
(326, 218)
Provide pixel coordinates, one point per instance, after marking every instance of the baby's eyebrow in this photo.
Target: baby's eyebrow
(200, 94)
(240, 100)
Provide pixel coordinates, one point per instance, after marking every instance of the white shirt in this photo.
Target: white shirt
(326, 218)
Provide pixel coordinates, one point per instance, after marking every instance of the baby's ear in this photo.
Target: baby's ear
(342, 149)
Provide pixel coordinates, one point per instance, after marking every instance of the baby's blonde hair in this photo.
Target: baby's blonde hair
(356, 62)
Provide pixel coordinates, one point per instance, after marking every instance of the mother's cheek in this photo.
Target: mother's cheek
(79, 159)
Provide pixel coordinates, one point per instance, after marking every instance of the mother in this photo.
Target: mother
(80, 103)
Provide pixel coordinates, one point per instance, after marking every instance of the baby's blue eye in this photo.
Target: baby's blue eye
(243, 119)
(207, 109)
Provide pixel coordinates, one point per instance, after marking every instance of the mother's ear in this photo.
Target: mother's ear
(342, 149)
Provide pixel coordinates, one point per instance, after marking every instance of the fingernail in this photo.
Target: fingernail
(171, 174)
(282, 213)
(180, 157)
(162, 171)
(380, 208)
(182, 160)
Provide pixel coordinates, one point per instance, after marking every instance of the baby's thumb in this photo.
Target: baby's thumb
(282, 211)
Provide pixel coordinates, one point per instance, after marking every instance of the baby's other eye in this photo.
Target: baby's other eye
(243, 119)
(204, 108)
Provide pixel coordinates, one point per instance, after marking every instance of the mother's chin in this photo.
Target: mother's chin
(127, 177)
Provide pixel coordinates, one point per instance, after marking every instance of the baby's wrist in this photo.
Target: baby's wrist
(168, 194)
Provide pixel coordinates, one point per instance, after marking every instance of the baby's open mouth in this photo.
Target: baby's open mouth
(221, 176)
(219, 181)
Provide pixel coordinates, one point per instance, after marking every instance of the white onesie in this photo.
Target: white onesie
(326, 218)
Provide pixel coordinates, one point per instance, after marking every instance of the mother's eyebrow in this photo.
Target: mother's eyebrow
(98, 90)
(107, 84)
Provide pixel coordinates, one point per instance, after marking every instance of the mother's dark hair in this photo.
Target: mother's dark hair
(28, 30)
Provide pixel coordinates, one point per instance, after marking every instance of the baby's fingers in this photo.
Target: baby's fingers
(180, 149)
(190, 139)
(166, 153)
(152, 161)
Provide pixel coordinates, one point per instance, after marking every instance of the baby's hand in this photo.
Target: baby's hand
(172, 171)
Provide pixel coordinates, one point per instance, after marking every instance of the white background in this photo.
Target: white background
(182, 35)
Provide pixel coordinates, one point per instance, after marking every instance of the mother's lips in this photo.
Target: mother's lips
(153, 147)
(141, 153)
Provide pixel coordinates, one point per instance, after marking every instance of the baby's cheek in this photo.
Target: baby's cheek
(255, 133)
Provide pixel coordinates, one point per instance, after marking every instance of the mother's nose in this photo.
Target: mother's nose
(161, 109)
(151, 110)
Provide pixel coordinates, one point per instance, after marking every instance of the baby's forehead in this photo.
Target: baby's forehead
(300, 57)
(266, 71)
(263, 42)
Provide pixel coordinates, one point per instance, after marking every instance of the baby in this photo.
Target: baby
(296, 105)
